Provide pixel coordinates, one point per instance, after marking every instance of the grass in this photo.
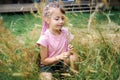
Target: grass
(98, 47)
(19, 23)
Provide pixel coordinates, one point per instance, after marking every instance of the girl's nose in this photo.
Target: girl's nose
(61, 21)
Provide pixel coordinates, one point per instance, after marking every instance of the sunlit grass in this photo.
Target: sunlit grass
(19, 23)
(99, 51)
(18, 54)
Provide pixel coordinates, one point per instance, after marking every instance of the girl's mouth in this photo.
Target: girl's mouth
(59, 25)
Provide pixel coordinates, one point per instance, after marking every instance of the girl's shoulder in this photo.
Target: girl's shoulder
(43, 40)
(43, 37)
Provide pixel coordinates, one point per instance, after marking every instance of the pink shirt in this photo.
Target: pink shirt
(55, 44)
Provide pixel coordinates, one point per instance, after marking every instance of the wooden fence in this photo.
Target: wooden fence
(70, 6)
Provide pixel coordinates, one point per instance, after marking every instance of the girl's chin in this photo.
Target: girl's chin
(59, 27)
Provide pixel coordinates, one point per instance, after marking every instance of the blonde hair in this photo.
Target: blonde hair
(47, 11)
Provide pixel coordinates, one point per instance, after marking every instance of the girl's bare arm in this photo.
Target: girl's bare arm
(47, 61)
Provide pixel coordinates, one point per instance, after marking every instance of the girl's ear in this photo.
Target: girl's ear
(47, 20)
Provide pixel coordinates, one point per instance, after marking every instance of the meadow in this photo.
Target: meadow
(97, 43)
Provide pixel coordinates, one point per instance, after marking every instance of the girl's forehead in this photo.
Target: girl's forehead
(56, 11)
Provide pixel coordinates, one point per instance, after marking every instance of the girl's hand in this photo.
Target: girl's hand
(63, 55)
(70, 48)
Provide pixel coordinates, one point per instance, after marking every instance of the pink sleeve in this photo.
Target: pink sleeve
(42, 41)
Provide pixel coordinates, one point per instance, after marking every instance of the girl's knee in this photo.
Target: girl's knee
(74, 58)
(46, 76)
(73, 64)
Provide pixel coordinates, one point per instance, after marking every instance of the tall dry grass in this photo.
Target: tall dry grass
(18, 60)
(99, 50)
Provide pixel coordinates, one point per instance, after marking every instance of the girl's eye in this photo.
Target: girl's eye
(57, 19)
(63, 18)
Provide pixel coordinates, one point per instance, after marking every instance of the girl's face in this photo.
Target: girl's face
(56, 20)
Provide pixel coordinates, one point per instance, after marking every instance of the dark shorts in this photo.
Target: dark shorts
(59, 67)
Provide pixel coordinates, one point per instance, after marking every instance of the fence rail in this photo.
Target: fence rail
(16, 7)
(69, 7)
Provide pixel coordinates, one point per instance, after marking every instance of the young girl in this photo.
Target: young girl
(55, 52)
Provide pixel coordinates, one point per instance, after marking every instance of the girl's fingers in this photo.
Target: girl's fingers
(66, 55)
(70, 46)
